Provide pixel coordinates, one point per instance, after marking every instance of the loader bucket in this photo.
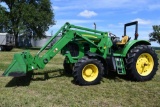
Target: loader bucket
(17, 68)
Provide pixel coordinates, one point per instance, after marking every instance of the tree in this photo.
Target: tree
(3, 19)
(155, 35)
(33, 16)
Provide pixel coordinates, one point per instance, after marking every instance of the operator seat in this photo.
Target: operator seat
(124, 40)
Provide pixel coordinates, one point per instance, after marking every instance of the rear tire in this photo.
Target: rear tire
(88, 71)
(142, 63)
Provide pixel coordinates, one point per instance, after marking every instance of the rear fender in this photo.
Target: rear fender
(131, 44)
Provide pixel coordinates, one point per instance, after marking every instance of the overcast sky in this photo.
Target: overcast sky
(109, 15)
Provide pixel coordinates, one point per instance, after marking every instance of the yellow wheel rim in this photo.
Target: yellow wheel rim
(144, 64)
(90, 72)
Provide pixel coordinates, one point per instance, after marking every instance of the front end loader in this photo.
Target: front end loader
(89, 54)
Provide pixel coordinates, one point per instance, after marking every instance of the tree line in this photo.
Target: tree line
(26, 16)
(155, 35)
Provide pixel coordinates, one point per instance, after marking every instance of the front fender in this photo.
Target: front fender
(131, 44)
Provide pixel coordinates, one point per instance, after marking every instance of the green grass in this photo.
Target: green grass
(60, 91)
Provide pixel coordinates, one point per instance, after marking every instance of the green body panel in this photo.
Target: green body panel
(123, 52)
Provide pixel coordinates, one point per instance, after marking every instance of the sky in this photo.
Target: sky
(109, 15)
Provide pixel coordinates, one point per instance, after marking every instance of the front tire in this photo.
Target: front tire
(88, 71)
(142, 63)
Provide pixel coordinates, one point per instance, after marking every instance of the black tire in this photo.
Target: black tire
(93, 67)
(142, 63)
(68, 68)
(2, 48)
(9, 48)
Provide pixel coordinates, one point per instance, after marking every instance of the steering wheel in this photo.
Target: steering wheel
(112, 35)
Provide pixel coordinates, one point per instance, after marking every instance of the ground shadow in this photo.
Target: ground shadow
(111, 75)
(49, 74)
(20, 81)
(42, 76)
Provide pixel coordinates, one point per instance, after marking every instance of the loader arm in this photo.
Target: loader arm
(24, 62)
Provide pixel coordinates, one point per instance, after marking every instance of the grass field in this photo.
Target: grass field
(59, 90)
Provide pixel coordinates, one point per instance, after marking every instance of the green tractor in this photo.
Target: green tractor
(89, 54)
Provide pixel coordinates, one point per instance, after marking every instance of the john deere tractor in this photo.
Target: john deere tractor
(89, 54)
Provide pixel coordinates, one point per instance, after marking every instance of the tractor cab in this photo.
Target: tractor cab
(120, 43)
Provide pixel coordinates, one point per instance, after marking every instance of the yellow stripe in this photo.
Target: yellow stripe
(89, 36)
